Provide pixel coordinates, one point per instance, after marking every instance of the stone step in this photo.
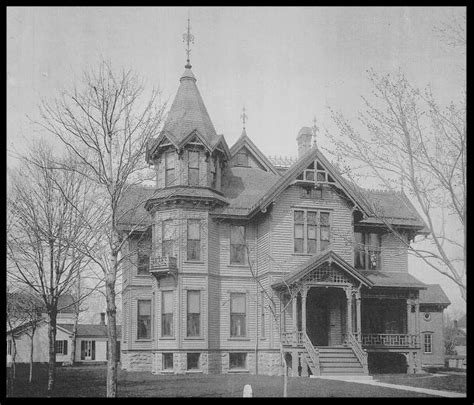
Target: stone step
(339, 360)
(336, 355)
(334, 349)
(347, 370)
(340, 365)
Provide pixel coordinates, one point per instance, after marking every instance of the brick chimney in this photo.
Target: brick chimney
(304, 140)
(102, 318)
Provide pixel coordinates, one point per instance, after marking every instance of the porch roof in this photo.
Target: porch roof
(393, 279)
(318, 260)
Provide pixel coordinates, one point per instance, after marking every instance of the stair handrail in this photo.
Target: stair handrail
(360, 353)
(312, 351)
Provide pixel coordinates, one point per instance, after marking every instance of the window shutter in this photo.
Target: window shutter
(65, 347)
(93, 350)
(83, 349)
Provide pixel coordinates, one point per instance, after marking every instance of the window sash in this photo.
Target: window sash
(237, 244)
(194, 240)
(167, 310)
(238, 312)
(167, 245)
(428, 343)
(312, 231)
(237, 360)
(170, 163)
(168, 361)
(144, 319)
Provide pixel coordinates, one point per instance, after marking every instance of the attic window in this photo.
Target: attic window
(242, 159)
(315, 172)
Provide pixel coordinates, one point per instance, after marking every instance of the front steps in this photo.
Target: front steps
(339, 361)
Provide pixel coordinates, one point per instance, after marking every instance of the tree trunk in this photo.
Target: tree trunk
(52, 350)
(31, 354)
(111, 329)
(73, 340)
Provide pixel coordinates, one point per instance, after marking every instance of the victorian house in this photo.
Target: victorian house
(244, 259)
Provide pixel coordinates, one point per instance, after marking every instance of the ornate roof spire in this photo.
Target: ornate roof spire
(189, 39)
(315, 129)
(244, 118)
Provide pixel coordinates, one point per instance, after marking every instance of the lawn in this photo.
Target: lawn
(89, 381)
(438, 381)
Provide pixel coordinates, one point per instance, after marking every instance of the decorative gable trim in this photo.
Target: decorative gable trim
(291, 176)
(245, 141)
(319, 268)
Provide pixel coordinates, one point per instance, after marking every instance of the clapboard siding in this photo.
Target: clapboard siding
(394, 253)
(283, 226)
(263, 241)
(214, 299)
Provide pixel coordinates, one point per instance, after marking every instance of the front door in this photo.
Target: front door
(320, 327)
(317, 319)
(88, 350)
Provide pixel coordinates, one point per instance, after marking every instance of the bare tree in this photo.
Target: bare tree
(43, 224)
(408, 140)
(106, 123)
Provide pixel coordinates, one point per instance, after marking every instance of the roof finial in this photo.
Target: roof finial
(189, 39)
(315, 129)
(244, 117)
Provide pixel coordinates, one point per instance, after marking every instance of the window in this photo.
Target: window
(312, 193)
(193, 361)
(170, 162)
(318, 175)
(237, 361)
(167, 248)
(428, 342)
(242, 159)
(311, 231)
(367, 250)
(167, 314)
(237, 315)
(167, 361)
(194, 313)
(87, 349)
(193, 168)
(144, 319)
(194, 239)
(237, 244)
(61, 347)
(214, 172)
(144, 250)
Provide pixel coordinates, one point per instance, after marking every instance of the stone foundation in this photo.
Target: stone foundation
(213, 362)
(136, 360)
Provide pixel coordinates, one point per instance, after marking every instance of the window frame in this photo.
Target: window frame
(163, 362)
(163, 293)
(188, 222)
(199, 331)
(144, 254)
(192, 168)
(306, 226)
(363, 252)
(169, 221)
(241, 314)
(244, 366)
(138, 337)
(198, 354)
(429, 343)
(168, 181)
(239, 245)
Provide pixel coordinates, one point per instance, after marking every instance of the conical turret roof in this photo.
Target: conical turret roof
(188, 112)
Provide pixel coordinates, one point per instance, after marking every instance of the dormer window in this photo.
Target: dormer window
(242, 158)
(193, 168)
(170, 168)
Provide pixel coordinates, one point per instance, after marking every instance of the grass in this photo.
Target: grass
(439, 381)
(89, 381)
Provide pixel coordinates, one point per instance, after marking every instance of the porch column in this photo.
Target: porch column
(358, 317)
(303, 308)
(349, 309)
(409, 327)
(417, 318)
(295, 317)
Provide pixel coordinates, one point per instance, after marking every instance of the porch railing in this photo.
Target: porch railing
(390, 340)
(292, 338)
(360, 353)
(312, 355)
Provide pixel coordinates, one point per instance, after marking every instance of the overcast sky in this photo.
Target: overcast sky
(286, 65)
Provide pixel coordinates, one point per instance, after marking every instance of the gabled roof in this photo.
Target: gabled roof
(295, 170)
(90, 330)
(434, 294)
(245, 141)
(314, 262)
